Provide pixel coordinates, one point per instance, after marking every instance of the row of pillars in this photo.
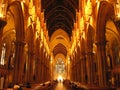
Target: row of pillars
(88, 67)
(37, 66)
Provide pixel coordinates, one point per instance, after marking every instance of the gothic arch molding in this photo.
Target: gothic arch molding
(105, 12)
(16, 10)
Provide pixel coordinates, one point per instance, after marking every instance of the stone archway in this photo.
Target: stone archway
(112, 52)
(15, 9)
(105, 12)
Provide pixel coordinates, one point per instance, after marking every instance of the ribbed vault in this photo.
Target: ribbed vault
(60, 14)
(59, 49)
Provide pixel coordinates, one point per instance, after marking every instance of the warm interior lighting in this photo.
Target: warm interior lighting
(2, 61)
(68, 61)
(60, 79)
(96, 1)
(118, 15)
(23, 1)
(41, 44)
(88, 10)
(51, 60)
(2, 10)
(117, 10)
(1, 15)
(78, 43)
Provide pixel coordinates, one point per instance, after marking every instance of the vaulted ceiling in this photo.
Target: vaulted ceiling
(60, 48)
(60, 14)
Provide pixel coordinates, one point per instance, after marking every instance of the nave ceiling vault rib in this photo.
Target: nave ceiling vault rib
(60, 14)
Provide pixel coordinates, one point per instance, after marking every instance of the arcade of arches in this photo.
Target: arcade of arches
(41, 40)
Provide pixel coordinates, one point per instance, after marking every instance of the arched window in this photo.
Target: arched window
(2, 62)
(12, 56)
(60, 66)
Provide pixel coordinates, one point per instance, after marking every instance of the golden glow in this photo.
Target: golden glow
(78, 43)
(23, 1)
(96, 1)
(88, 10)
(32, 10)
(46, 45)
(41, 34)
(51, 62)
(117, 9)
(51, 59)
(38, 24)
(41, 44)
(2, 61)
(98, 4)
(59, 36)
(22, 4)
(2, 10)
(60, 78)
(68, 60)
(1, 15)
(60, 56)
(81, 24)
(83, 35)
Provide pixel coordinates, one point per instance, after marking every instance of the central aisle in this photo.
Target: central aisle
(60, 86)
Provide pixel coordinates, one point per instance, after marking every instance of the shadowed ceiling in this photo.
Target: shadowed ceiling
(60, 14)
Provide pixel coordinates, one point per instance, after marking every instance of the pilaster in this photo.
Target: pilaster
(101, 58)
(19, 62)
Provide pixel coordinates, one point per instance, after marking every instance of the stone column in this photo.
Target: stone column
(74, 68)
(89, 64)
(71, 68)
(28, 69)
(42, 73)
(31, 65)
(101, 58)
(19, 62)
(82, 72)
(83, 69)
(45, 67)
(38, 66)
(47, 74)
(41, 65)
(37, 50)
(79, 70)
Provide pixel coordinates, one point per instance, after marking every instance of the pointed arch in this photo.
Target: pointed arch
(106, 11)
